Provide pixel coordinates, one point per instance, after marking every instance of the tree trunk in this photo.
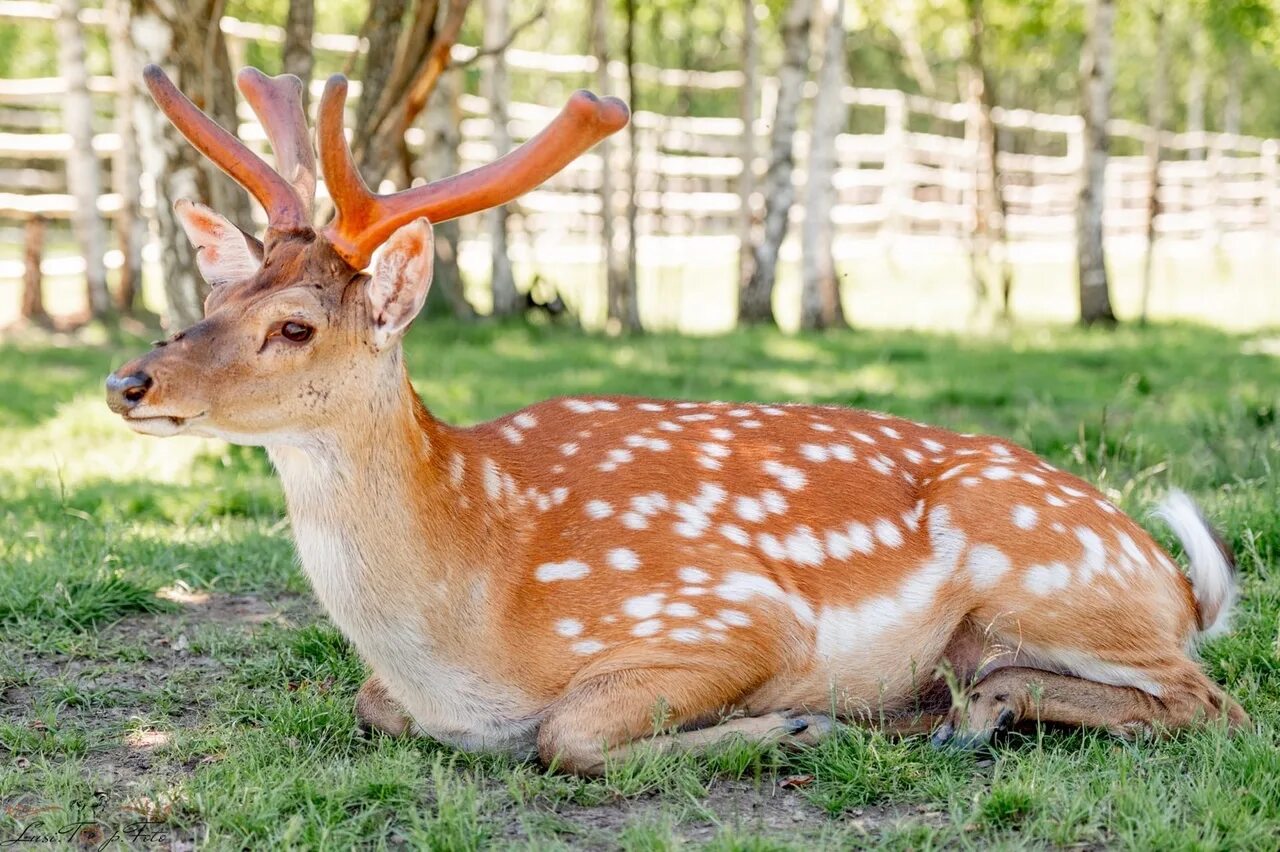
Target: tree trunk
(612, 264)
(187, 41)
(507, 301)
(1197, 85)
(820, 294)
(298, 58)
(1096, 73)
(626, 302)
(989, 248)
(747, 100)
(1232, 107)
(443, 138)
(126, 168)
(32, 281)
(407, 55)
(755, 304)
(1156, 108)
(84, 176)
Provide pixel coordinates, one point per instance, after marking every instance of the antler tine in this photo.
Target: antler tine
(364, 220)
(277, 101)
(285, 209)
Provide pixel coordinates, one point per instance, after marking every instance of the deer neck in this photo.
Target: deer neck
(375, 520)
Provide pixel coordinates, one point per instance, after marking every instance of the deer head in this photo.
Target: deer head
(306, 324)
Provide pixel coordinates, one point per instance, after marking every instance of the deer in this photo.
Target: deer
(595, 576)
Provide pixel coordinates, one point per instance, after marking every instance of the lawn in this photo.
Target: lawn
(162, 660)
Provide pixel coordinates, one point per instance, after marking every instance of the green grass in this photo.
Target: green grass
(229, 722)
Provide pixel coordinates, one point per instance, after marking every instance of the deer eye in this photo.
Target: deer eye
(296, 332)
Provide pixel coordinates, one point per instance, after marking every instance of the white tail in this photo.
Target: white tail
(564, 578)
(1210, 563)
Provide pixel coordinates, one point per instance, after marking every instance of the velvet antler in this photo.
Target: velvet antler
(277, 101)
(365, 219)
(286, 209)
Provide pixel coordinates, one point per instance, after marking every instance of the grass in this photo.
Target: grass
(221, 709)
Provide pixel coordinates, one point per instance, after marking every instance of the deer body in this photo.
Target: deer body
(565, 578)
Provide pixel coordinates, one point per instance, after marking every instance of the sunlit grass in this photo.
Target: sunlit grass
(240, 729)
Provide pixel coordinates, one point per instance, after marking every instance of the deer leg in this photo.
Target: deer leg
(376, 710)
(1011, 695)
(611, 716)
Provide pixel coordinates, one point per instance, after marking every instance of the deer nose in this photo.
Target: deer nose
(125, 392)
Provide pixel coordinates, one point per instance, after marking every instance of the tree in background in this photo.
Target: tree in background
(748, 99)
(132, 231)
(1155, 120)
(820, 284)
(84, 175)
(755, 302)
(1096, 72)
(408, 51)
(506, 299)
(298, 58)
(989, 248)
(178, 37)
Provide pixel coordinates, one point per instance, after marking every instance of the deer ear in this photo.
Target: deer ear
(401, 277)
(224, 253)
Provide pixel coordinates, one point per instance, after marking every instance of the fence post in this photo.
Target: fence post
(32, 281)
(1270, 190)
(895, 162)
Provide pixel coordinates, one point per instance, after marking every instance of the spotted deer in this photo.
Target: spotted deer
(591, 575)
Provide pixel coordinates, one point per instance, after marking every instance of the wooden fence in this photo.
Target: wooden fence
(913, 176)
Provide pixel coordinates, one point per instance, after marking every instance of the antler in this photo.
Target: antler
(364, 219)
(277, 101)
(286, 210)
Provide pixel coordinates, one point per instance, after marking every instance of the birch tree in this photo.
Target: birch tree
(748, 97)
(1096, 74)
(989, 250)
(126, 167)
(755, 302)
(820, 287)
(84, 176)
(298, 58)
(178, 37)
(1156, 108)
(506, 299)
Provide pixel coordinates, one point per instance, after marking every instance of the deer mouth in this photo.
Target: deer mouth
(159, 425)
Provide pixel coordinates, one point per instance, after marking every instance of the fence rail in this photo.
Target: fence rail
(899, 181)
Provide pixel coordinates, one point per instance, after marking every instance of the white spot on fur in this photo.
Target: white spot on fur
(815, 453)
(997, 472)
(648, 627)
(569, 627)
(1044, 580)
(842, 452)
(1054, 500)
(722, 434)
(986, 565)
(634, 521)
(822, 427)
(888, 534)
(679, 609)
(790, 478)
(803, 547)
(932, 445)
(598, 510)
(649, 406)
(643, 606)
(623, 559)
(570, 569)
(749, 509)
(525, 420)
(863, 437)
(686, 635)
(492, 479)
(734, 617)
(890, 432)
(668, 426)
(693, 576)
(457, 469)
(735, 534)
(1025, 517)
(587, 647)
